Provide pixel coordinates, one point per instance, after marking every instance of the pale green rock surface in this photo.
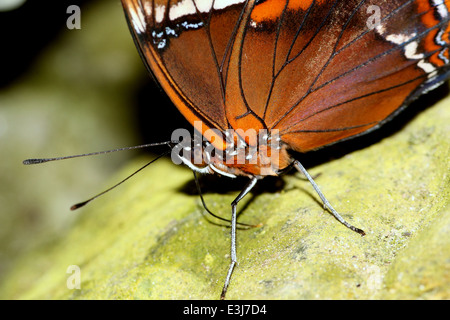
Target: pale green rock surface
(149, 239)
(75, 98)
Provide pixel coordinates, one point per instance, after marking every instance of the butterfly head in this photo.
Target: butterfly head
(246, 154)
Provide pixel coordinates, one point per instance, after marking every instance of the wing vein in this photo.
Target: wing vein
(310, 89)
(272, 84)
(397, 47)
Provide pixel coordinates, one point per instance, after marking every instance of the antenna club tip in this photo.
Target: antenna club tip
(77, 206)
(31, 161)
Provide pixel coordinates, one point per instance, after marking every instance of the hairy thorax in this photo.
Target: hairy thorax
(268, 157)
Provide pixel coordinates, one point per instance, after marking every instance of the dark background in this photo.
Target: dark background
(28, 30)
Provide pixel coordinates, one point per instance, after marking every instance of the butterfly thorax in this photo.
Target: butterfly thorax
(267, 157)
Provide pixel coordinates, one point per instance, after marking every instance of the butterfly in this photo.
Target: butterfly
(261, 78)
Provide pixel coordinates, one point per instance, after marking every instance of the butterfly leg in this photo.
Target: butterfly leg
(233, 263)
(243, 225)
(326, 204)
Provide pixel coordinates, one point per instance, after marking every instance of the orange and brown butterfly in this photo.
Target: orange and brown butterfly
(279, 75)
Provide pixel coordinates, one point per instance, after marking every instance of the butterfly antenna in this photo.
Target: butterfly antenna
(43, 160)
(245, 225)
(82, 204)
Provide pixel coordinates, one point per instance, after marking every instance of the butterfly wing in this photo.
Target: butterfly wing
(186, 45)
(324, 71)
(319, 71)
